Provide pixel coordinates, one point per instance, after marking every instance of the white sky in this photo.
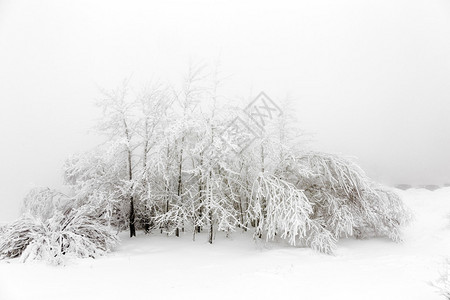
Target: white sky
(370, 78)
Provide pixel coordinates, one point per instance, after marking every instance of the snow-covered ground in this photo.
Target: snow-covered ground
(156, 266)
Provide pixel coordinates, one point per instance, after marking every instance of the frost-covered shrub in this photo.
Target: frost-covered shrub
(345, 201)
(18, 235)
(442, 284)
(382, 214)
(71, 233)
(97, 179)
(174, 219)
(76, 232)
(277, 207)
(42, 202)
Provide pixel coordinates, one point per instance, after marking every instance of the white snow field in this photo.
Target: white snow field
(161, 267)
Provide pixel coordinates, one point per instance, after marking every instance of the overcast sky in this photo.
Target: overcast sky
(371, 79)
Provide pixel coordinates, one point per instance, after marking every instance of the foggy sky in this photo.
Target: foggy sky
(371, 79)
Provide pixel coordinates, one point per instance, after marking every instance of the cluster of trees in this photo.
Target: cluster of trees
(170, 164)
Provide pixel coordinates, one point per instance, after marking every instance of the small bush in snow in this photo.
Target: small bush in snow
(18, 235)
(71, 233)
(442, 284)
(383, 214)
(42, 202)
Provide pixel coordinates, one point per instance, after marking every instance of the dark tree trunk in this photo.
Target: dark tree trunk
(132, 225)
(210, 214)
(200, 211)
(147, 227)
(130, 177)
(180, 180)
(147, 216)
(211, 227)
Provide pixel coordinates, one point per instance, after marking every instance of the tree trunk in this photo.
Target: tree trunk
(132, 225)
(210, 214)
(147, 216)
(130, 177)
(263, 200)
(132, 213)
(211, 227)
(200, 193)
(167, 189)
(180, 179)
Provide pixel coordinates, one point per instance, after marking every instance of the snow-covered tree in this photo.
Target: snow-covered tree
(153, 113)
(119, 123)
(346, 202)
(99, 178)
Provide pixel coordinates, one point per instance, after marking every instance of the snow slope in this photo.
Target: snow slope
(163, 267)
